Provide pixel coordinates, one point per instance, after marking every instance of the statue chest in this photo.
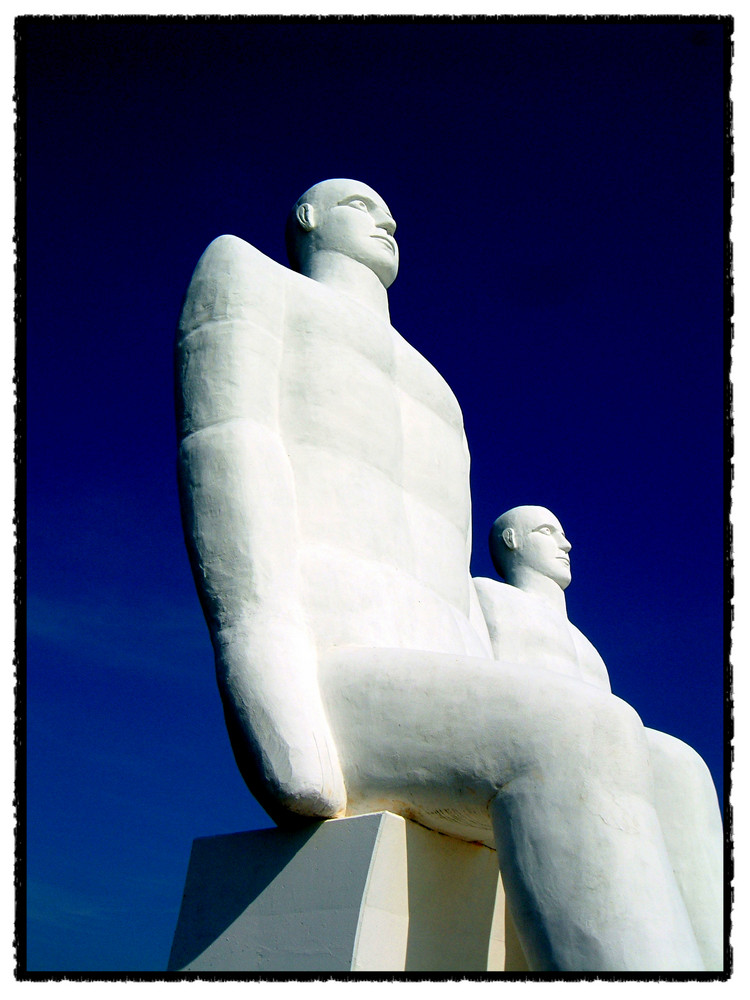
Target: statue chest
(371, 411)
(375, 439)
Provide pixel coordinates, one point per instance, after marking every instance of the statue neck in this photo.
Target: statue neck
(541, 587)
(350, 278)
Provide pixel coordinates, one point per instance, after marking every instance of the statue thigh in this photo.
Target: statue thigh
(559, 768)
(435, 736)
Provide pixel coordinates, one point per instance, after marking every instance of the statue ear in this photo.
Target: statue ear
(509, 537)
(306, 216)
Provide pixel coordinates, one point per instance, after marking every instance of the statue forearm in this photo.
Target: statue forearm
(238, 510)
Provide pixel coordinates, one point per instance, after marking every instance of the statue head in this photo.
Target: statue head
(345, 218)
(528, 542)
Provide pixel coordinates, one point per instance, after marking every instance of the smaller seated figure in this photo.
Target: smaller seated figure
(528, 625)
(528, 621)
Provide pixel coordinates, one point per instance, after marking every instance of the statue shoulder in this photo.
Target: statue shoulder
(230, 337)
(500, 603)
(229, 251)
(232, 280)
(496, 593)
(510, 616)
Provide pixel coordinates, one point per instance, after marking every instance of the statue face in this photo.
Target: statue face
(542, 545)
(351, 219)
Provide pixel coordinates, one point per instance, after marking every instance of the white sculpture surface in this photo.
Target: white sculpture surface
(411, 901)
(324, 480)
(528, 625)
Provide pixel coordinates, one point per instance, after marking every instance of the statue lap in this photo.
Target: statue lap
(436, 736)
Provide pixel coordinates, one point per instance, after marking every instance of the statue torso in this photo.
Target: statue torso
(525, 630)
(375, 437)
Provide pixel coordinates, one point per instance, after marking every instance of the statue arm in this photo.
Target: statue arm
(239, 513)
(493, 600)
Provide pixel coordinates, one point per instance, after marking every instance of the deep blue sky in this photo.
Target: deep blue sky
(559, 192)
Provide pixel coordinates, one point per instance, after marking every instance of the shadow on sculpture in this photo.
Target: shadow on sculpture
(324, 480)
(371, 893)
(450, 938)
(225, 876)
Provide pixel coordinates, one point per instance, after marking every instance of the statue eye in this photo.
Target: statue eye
(361, 205)
(545, 530)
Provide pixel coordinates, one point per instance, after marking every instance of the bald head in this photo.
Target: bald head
(343, 218)
(527, 543)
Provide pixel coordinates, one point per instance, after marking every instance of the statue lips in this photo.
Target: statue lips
(385, 239)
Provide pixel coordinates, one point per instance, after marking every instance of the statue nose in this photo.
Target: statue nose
(565, 545)
(388, 224)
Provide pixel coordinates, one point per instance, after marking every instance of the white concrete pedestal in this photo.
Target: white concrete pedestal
(372, 893)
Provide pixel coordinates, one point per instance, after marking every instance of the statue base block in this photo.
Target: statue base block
(373, 893)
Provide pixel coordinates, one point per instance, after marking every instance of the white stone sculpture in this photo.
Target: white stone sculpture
(528, 625)
(324, 481)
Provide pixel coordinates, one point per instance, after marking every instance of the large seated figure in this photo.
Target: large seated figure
(324, 478)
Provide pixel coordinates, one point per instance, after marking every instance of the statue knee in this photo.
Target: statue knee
(620, 739)
(680, 773)
(598, 738)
